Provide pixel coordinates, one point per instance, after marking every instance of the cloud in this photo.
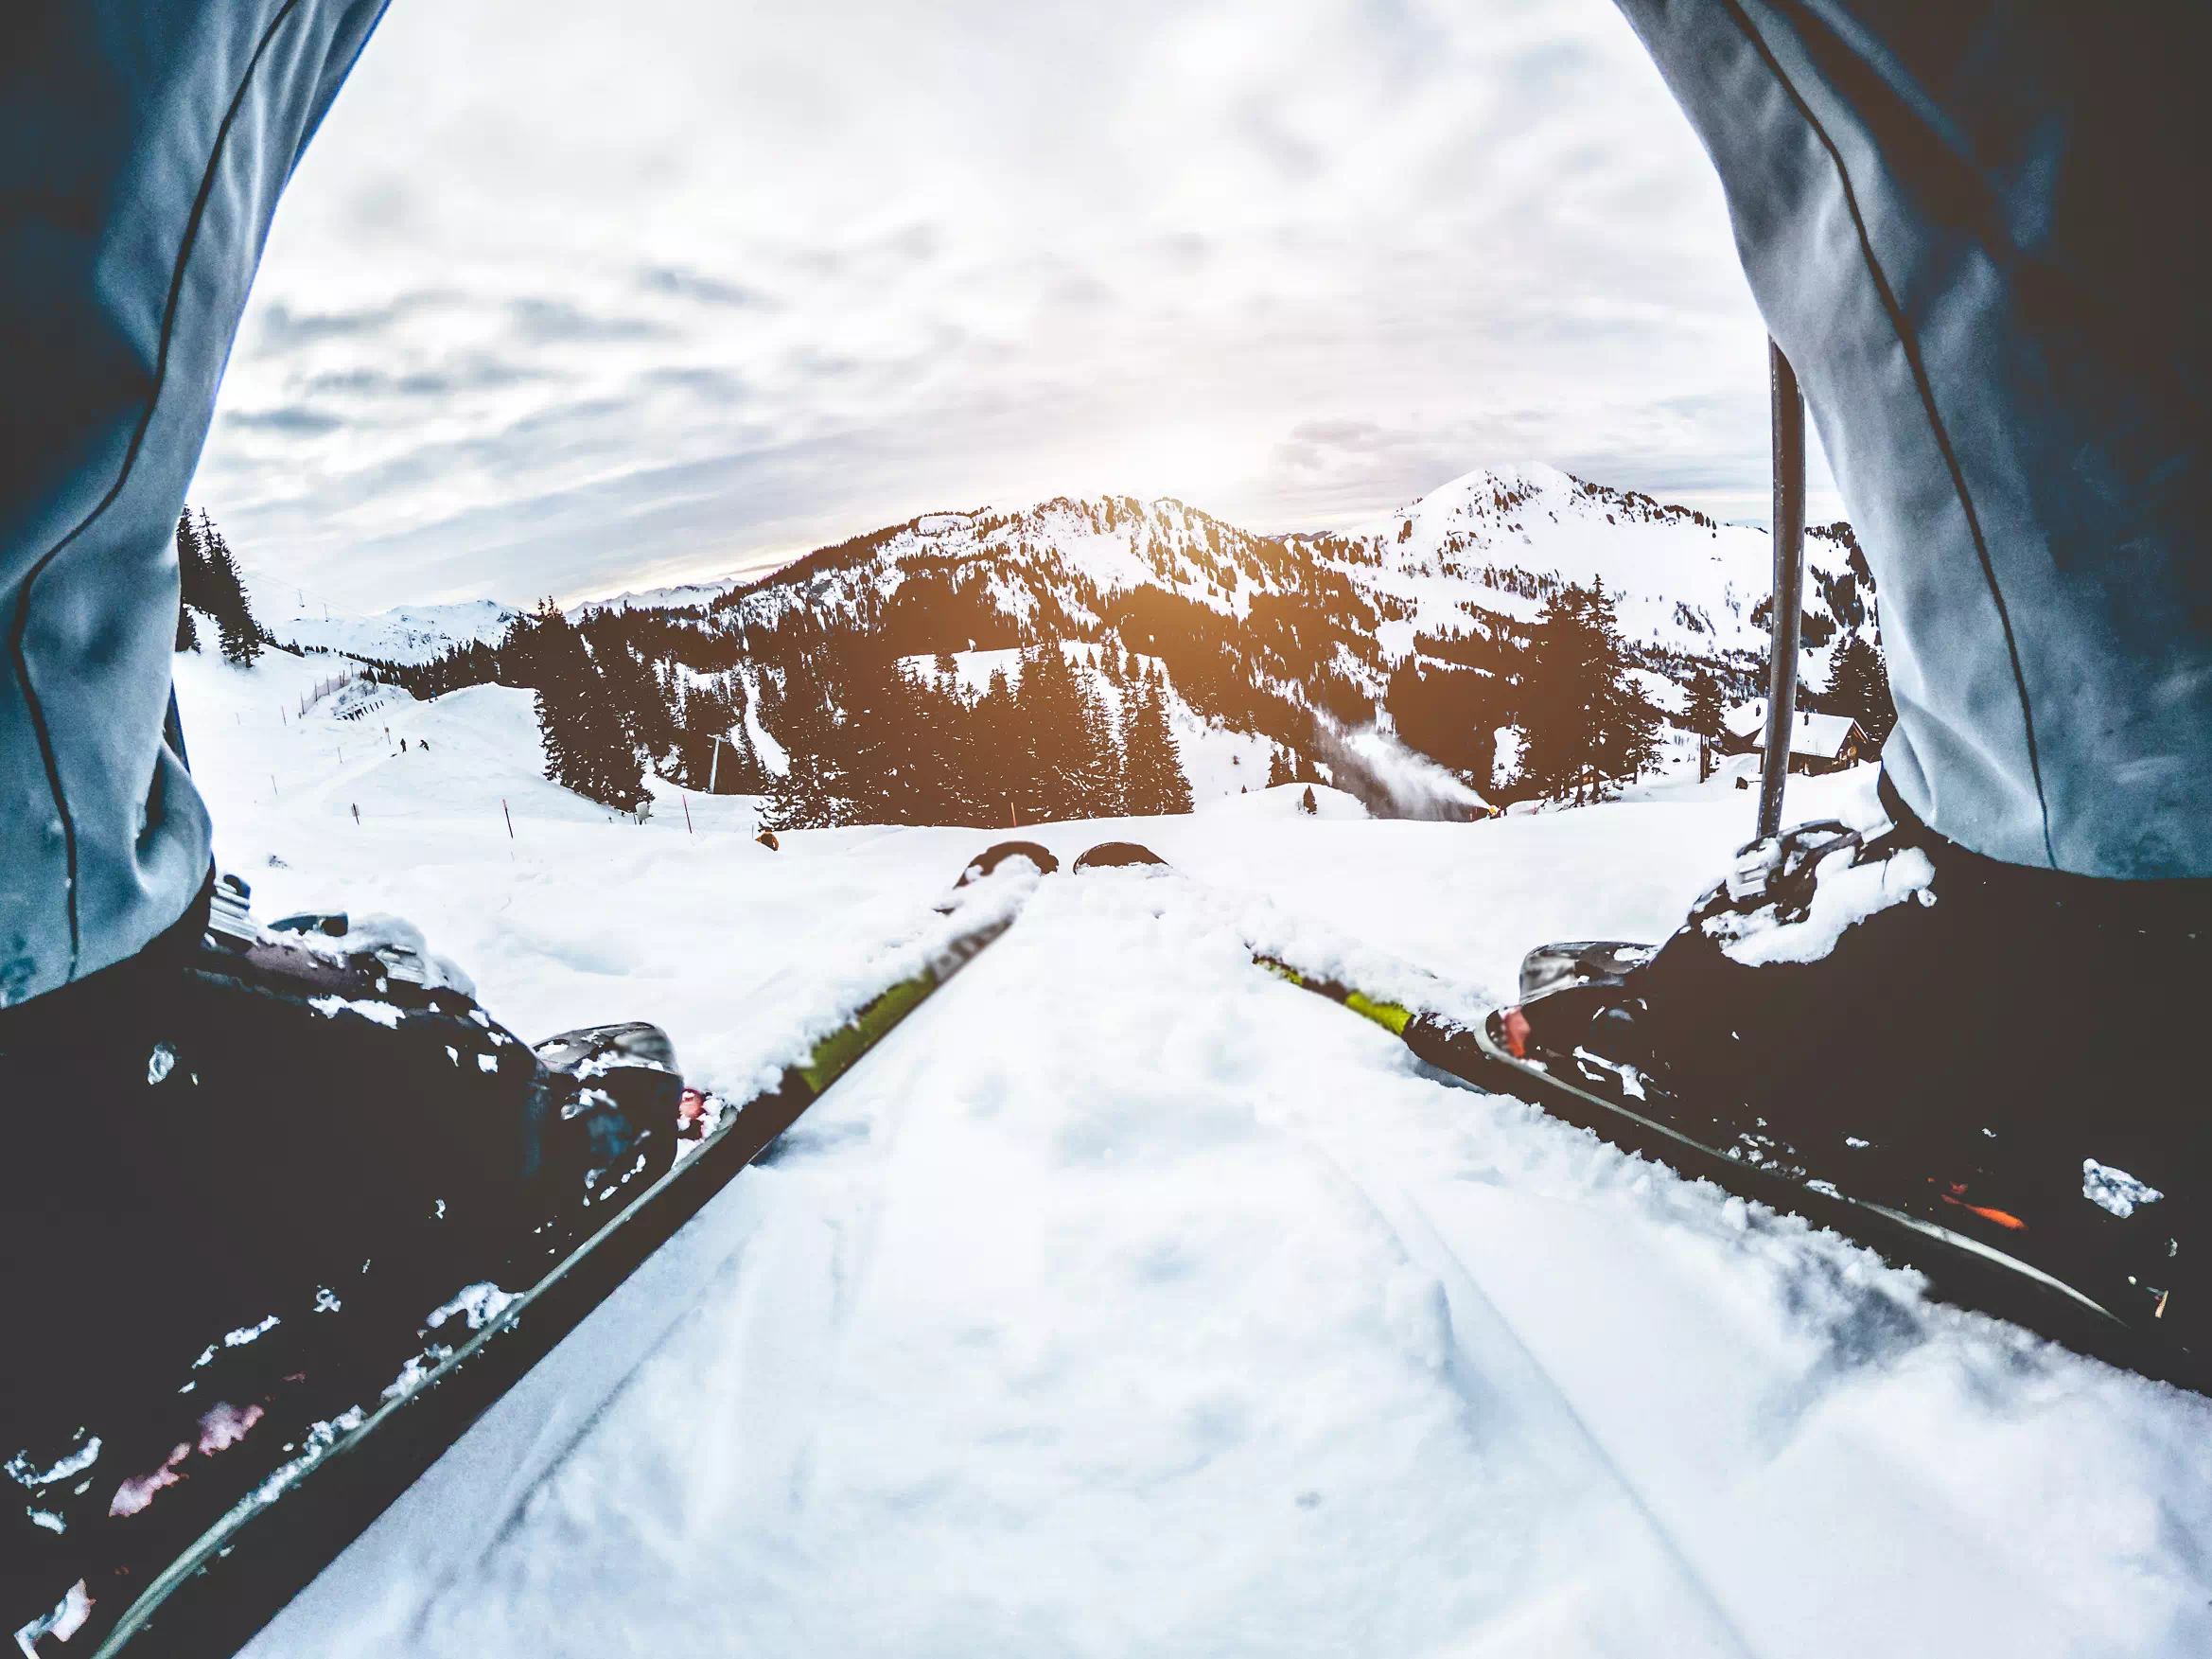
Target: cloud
(282, 328)
(295, 422)
(556, 306)
(692, 285)
(547, 321)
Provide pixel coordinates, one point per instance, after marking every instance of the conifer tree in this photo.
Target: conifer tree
(1586, 723)
(586, 746)
(210, 582)
(1152, 766)
(1859, 685)
(1705, 714)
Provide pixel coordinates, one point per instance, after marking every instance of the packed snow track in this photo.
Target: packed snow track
(1129, 1301)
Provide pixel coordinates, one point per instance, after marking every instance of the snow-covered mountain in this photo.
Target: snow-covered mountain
(1419, 621)
(1418, 625)
(406, 633)
(1481, 551)
(683, 596)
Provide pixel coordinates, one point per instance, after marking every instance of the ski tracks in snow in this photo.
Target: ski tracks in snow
(1129, 1301)
(1490, 1361)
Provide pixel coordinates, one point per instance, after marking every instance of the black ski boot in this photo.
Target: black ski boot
(2001, 1053)
(260, 1179)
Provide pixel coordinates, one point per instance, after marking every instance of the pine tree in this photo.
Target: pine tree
(211, 582)
(586, 745)
(1705, 714)
(1152, 766)
(1586, 723)
(1278, 768)
(1859, 685)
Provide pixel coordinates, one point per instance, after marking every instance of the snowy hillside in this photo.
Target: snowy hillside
(407, 633)
(681, 597)
(1489, 546)
(1416, 637)
(1494, 542)
(1129, 1302)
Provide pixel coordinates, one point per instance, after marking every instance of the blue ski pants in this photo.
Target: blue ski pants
(1974, 228)
(143, 145)
(1970, 226)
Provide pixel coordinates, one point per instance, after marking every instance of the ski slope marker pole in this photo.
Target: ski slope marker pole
(687, 801)
(508, 815)
(1788, 535)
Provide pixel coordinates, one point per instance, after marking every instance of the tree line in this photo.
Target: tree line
(862, 734)
(209, 583)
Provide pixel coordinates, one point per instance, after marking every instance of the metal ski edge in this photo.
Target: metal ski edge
(699, 1174)
(2002, 1285)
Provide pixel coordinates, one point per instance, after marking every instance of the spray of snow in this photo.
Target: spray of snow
(1391, 780)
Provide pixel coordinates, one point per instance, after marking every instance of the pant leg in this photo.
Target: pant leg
(1971, 227)
(143, 147)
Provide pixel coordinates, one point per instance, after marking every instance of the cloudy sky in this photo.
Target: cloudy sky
(570, 297)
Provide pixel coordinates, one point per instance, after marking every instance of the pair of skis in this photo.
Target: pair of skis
(246, 1568)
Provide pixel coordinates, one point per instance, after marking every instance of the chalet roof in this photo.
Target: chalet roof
(1821, 737)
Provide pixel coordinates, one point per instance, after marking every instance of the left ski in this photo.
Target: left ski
(243, 1570)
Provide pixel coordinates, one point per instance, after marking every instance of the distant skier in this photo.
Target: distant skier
(1958, 225)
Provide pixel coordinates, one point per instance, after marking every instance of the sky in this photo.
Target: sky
(568, 298)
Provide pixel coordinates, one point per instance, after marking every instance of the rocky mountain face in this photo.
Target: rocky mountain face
(1425, 625)
(1422, 619)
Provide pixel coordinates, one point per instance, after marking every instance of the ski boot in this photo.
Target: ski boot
(269, 1174)
(1996, 1054)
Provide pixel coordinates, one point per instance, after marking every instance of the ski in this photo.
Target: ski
(278, 1537)
(1968, 1259)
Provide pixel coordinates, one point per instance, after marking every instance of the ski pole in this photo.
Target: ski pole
(1788, 533)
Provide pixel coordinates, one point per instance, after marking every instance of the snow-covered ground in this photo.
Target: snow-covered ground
(406, 633)
(1129, 1302)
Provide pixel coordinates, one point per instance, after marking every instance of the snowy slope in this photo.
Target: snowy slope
(1490, 543)
(683, 596)
(1129, 1302)
(406, 633)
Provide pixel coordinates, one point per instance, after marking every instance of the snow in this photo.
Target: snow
(407, 633)
(1822, 735)
(1130, 1300)
(2113, 1189)
(1845, 896)
(1286, 801)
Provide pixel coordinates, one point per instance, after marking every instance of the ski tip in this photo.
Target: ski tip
(631, 1042)
(989, 859)
(1117, 855)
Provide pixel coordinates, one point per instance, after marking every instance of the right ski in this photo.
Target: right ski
(245, 1569)
(1962, 1268)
